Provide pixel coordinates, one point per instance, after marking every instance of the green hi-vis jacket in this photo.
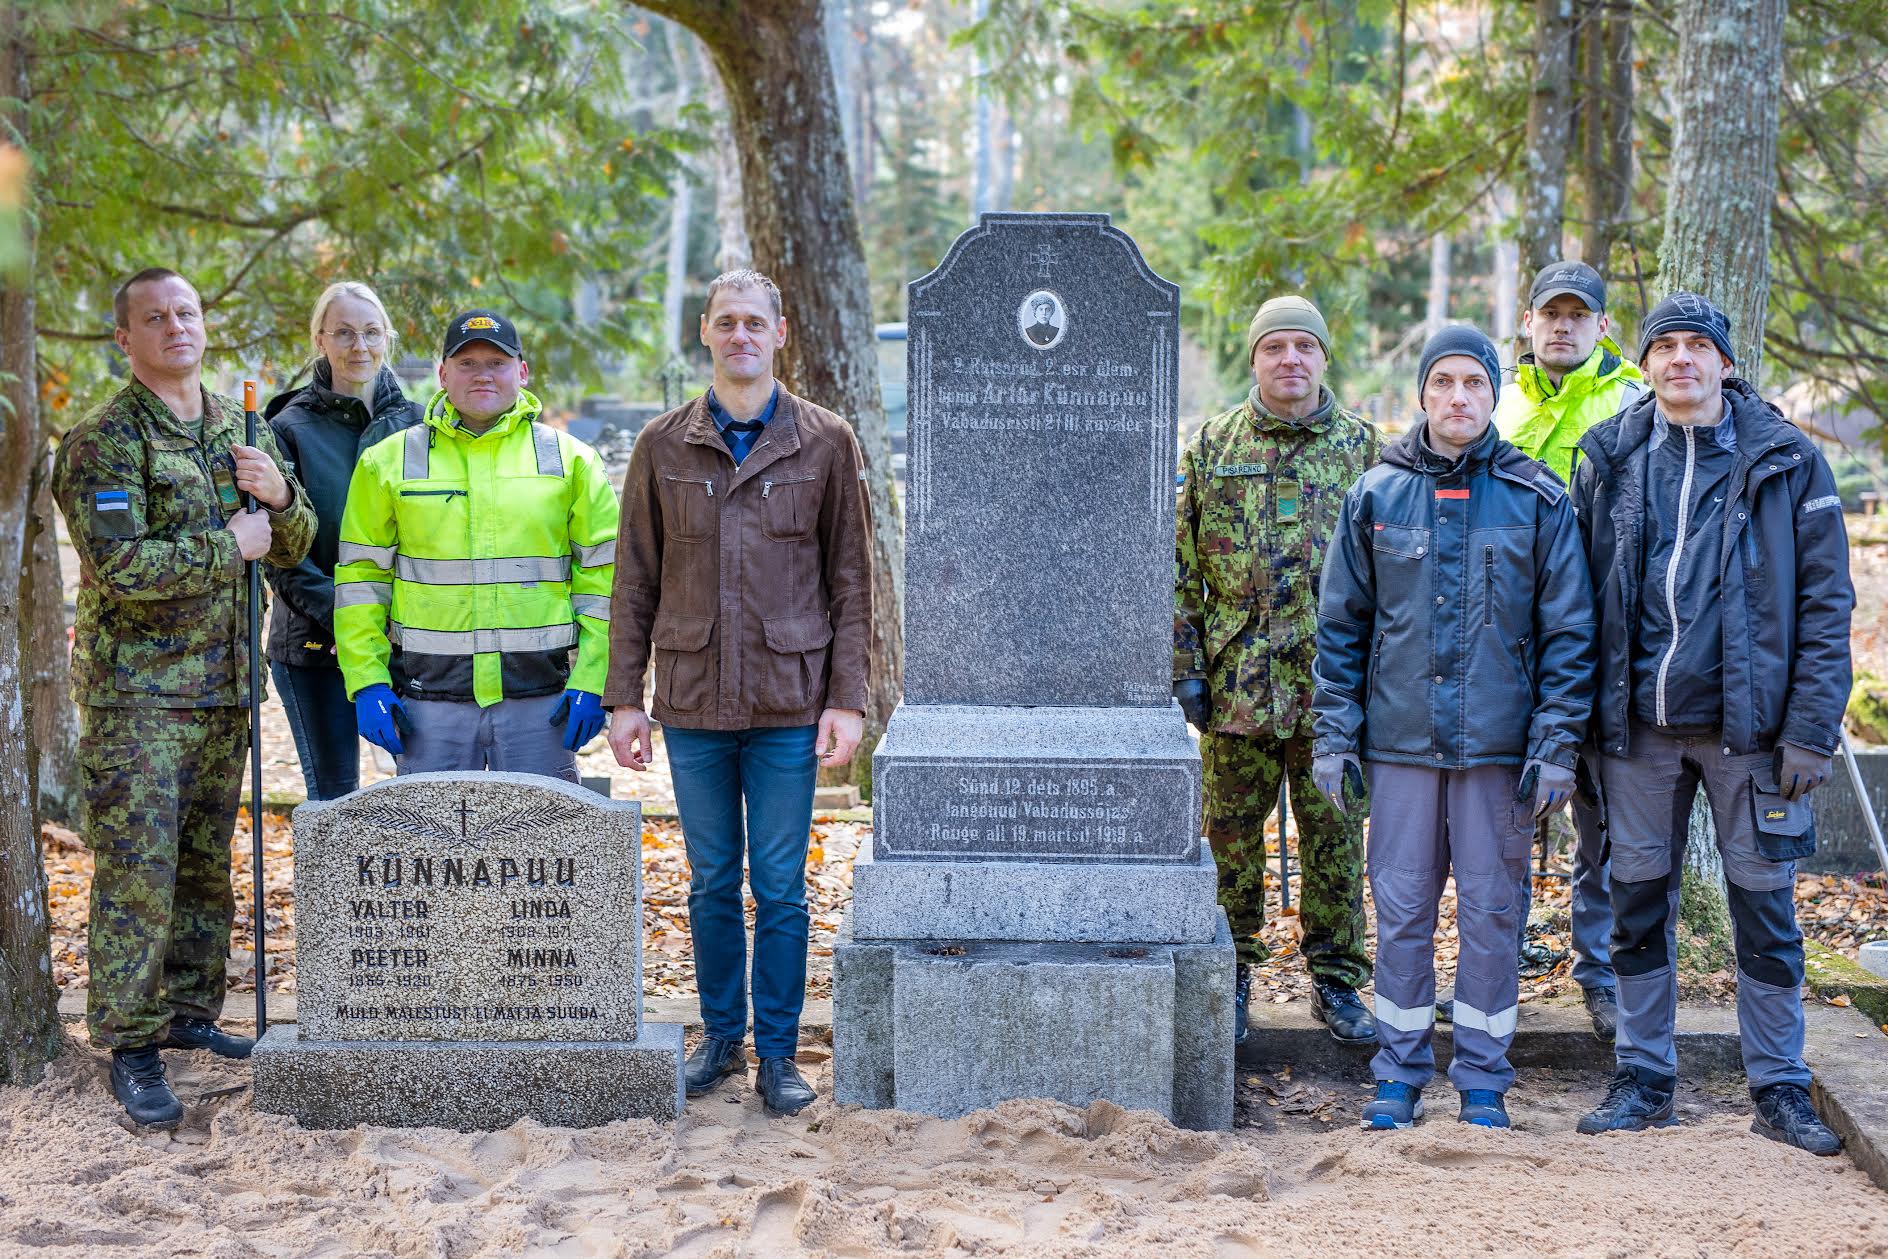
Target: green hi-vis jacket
(1546, 423)
(470, 566)
(163, 605)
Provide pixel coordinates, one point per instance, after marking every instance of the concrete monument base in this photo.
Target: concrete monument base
(471, 1086)
(945, 1027)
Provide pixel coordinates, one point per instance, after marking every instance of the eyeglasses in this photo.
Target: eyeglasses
(347, 338)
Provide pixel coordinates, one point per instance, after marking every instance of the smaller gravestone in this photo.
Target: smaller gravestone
(468, 952)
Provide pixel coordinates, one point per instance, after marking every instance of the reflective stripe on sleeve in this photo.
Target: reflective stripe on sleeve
(596, 607)
(471, 642)
(502, 570)
(352, 594)
(1403, 1020)
(595, 556)
(357, 552)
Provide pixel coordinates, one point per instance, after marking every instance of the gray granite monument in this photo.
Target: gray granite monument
(469, 952)
(1036, 914)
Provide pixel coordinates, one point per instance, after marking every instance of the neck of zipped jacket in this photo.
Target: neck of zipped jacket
(442, 415)
(1600, 367)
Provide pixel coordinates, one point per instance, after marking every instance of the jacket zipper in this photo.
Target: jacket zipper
(1376, 666)
(431, 493)
(1671, 568)
(1488, 585)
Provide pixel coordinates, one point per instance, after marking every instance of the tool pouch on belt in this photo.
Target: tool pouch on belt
(1785, 829)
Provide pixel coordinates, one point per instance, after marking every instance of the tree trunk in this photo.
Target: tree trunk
(29, 1002)
(1437, 311)
(681, 202)
(1507, 269)
(1607, 114)
(46, 654)
(1549, 139)
(797, 195)
(730, 218)
(1724, 170)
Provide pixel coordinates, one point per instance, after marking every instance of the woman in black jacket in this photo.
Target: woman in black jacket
(353, 401)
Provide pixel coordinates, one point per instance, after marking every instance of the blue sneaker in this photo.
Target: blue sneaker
(1483, 1108)
(1397, 1105)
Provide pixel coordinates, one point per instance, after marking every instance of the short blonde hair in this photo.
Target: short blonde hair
(347, 288)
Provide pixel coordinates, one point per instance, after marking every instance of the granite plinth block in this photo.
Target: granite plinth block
(470, 1086)
(1039, 511)
(486, 907)
(945, 1029)
(1162, 903)
(956, 782)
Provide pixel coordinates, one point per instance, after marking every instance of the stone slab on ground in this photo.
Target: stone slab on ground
(1165, 903)
(470, 1086)
(1007, 783)
(1848, 1057)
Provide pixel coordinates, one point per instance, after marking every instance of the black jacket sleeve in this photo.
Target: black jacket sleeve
(1347, 614)
(1820, 673)
(304, 587)
(1565, 639)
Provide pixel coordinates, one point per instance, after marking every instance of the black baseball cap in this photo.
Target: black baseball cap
(1574, 278)
(481, 325)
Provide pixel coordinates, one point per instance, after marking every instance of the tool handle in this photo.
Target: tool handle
(249, 431)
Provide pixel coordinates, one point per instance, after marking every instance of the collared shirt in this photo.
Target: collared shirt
(740, 435)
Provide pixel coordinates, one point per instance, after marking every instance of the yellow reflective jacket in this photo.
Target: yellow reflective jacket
(1547, 423)
(469, 566)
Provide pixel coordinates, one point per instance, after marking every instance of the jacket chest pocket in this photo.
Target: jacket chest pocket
(1232, 525)
(688, 503)
(1401, 555)
(789, 506)
(180, 493)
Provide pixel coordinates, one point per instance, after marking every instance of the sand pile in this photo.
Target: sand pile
(1025, 1179)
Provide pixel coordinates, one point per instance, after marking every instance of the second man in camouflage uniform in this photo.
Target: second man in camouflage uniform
(1262, 485)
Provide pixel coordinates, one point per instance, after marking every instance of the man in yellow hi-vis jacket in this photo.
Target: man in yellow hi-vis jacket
(477, 550)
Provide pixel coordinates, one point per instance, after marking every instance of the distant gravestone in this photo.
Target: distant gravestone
(468, 951)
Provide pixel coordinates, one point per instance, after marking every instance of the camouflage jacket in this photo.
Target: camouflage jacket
(1258, 502)
(163, 618)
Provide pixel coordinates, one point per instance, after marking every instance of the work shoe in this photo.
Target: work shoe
(713, 1061)
(1483, 1108)
(1342, 1010)
(1445, 1009)
(1602, 1006)
(1241, 993)
(1633, 1103)
(203, 1034)
(1397, 1105)
(782, 1088)
(1784, 1114)
(138, 1081)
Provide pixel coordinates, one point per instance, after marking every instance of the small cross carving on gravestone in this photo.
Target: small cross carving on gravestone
(465, 812)
(1044, 258)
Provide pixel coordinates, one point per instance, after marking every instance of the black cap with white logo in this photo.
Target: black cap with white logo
(481, 325)
(1573, 278)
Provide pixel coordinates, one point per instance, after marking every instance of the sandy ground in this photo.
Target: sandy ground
(1028, 1178)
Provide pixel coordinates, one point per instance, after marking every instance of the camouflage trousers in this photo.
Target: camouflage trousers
(1243, 774)
(161, 787)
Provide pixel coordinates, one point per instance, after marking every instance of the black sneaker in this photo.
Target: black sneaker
(138, 1081)
(713, 1061)
(1784, 1114)
(1241, 993)
(1602, 1006)
(1633, 1103)
(203, 1034)
(782, 1088)
(1342, 1010)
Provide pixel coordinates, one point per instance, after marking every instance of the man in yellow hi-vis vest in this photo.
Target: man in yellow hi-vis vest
(477, 551)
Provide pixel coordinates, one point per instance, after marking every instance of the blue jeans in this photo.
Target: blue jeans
(321, 717)
(771, 771)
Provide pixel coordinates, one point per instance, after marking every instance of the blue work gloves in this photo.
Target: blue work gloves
(1551, 785)
(585, 713)
(1800, 771)
(1332, 773)
(1190, 694)
(380, 717)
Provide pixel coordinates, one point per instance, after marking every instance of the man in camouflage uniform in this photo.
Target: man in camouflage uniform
(151, 487)
(1262, 485)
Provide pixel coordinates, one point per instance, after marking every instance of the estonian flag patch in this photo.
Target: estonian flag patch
(111, 500)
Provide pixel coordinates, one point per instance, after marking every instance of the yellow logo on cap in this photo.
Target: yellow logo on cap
(481, 322)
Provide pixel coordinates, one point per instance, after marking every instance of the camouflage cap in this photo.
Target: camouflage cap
(1288, 313)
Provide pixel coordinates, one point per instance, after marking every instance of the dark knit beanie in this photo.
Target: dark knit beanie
(1459, 338)
(1687, 312)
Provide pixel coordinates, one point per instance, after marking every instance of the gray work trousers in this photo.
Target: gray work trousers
(1424, 824)
(1592, 907)
(1648, 797)
(514, 735)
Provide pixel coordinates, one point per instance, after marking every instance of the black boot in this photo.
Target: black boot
(1784, 1114)
(203, 1034)
(1602, 1006)
(137, 1080)
(713, 1061)
(1635, 1100)
(1342, 1010)
(782, 1088)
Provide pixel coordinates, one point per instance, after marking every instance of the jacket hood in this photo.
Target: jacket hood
(1760, 426)
(320, 397)
(441, 414)
(1602, 367)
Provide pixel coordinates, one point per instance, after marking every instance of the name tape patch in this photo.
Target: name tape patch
(1817, 504)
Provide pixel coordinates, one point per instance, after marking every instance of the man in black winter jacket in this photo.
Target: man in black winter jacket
(1455, 660)
(1721, 574)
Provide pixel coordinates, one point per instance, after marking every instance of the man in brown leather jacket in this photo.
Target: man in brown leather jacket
(744, 560)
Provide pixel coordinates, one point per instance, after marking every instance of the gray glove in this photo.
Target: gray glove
(1800, 771)
(1190, 694)
(1551, 785)
(1330, 774)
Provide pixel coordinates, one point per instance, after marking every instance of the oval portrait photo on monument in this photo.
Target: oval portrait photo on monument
(1042, 319)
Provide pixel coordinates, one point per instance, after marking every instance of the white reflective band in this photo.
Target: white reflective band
(595, 556)
(596, 607)
(357, 552)
(544, 442)
(1500, 1026)
(470, 642)
(503, 570)
(352, 594)
(1394, 1015)
(417, 452)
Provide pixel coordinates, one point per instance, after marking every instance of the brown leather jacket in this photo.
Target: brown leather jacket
(752, 584)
